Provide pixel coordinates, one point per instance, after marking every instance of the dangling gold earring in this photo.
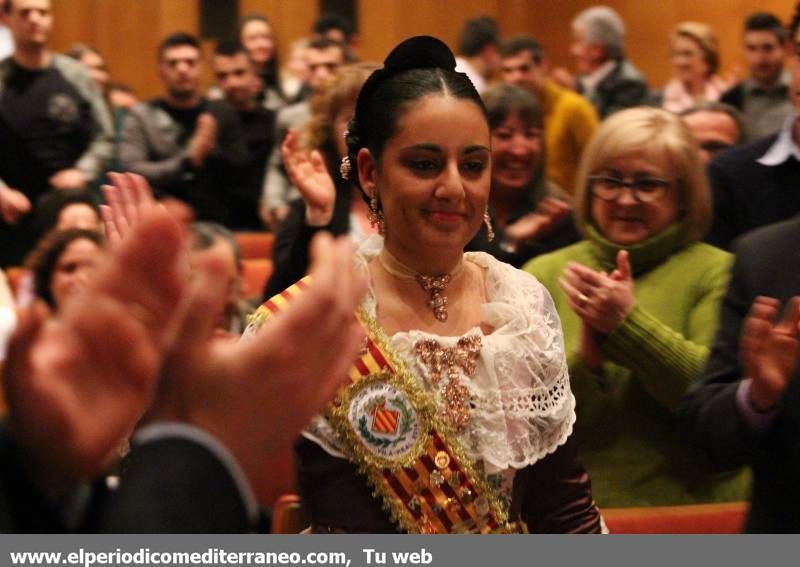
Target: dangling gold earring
(375, 215)
(488, 222)
(344, 168)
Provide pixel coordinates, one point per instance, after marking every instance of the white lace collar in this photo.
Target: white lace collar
(522, 405)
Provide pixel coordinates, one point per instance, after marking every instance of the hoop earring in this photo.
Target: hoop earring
(488, 222)
(375, 215)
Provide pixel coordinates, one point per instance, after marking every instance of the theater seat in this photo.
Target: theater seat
(288, 516)
(727, 518)
(255, 275)
(255, 245)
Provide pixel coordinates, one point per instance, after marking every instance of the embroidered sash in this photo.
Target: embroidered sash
(392, 430)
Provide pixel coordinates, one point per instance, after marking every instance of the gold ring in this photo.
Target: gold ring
(582, 300)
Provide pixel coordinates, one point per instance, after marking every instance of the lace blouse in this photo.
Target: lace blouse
(521, 405)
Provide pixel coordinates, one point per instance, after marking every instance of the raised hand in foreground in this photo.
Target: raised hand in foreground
(311, 177)
(770, 349)
(77, 384)
(256, 395)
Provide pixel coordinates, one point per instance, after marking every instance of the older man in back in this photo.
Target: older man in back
(605, 76)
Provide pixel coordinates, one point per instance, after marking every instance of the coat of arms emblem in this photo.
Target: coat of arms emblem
(384, 419)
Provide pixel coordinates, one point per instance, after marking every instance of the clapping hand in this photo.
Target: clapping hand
(548, 214)
(601, 300)
(13, 205)
(204, 139)
(256, 395)
(310, 175)
(141, 337)
(70, 178)
(129, 201)
(77, 384)
(769, 349)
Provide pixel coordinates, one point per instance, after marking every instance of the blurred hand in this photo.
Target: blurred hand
(256, 395)
(264, 214)
(770, 350)
(203, 140)
(310, 175)
(13, 205)
(548, 214)
(129, 201)
(68, 179)
(77, 384)
(179, 210)
(274, 217)
(602, 301)
(128, 198)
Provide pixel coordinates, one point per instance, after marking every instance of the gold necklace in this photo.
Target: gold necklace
(434, 286)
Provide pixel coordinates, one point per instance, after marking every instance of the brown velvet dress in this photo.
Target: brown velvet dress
(553, 495)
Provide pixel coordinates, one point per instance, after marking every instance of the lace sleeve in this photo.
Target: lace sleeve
(523, 406)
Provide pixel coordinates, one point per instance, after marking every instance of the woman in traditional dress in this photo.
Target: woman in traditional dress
(459, 415)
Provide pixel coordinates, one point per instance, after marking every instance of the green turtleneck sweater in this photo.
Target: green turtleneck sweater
(625, 428)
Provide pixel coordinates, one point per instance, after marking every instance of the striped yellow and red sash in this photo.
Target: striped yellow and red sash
(392, 430)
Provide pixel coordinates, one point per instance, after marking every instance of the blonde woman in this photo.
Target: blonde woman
(638, 300)
(694, 53)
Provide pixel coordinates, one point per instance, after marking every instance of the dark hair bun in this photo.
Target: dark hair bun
(420, 52)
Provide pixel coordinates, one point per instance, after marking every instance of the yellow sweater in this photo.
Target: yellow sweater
(569, 122)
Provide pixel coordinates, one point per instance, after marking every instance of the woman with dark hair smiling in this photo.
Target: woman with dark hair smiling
(258, 38)
(529, 214)
(459, 414)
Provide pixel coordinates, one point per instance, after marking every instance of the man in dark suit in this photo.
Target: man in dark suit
(745, 410)
(219, 412)
(754, 185)
(606, 78)
(757, 184)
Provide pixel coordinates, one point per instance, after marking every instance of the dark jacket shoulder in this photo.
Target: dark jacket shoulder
(742, 156)
(769, 244)
(734, 96)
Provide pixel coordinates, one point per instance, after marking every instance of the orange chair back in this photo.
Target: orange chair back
(726, 518)
(255, 245)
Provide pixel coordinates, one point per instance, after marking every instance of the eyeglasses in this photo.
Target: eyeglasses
(644, 190)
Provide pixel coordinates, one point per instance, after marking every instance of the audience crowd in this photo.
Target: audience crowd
(639, 241)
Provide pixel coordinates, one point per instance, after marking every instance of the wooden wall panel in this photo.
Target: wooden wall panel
(125, 32)
(648, 24)
(383, 24)
(128, 31)
(291, 19)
